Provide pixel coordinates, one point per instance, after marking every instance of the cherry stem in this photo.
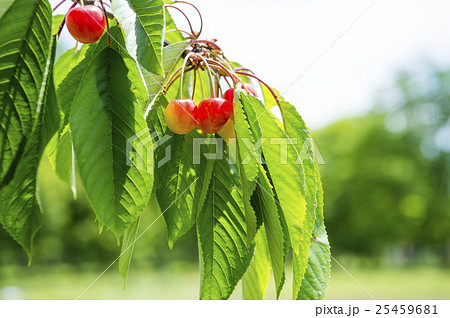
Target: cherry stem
(172, 77)
(199, 14)
(216, 82)
(193, 85)
(182, 72)
(268, 87)
(167, 87)
(107, 22)
(224, 62)
(219, 87)
(209, 74)
(64, 21)
(214, 66)
(201, 85)
(181, 11)
(244, 69)
(234, 77)
(228, 83)
(179, 30)
(57, 6)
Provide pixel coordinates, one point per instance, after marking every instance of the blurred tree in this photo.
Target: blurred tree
(387, 174)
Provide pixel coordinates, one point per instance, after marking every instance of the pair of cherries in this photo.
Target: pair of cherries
(211, 114)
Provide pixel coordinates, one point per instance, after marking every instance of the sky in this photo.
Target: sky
(307, 51)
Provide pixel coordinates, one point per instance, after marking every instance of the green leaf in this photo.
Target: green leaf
(246, 143)
(285, 171)
(256, 279)
(126, 252)
(143, 22)
(159, 132)
(183, 178)
(247, 190)
(70, 70)
(139, 89)
(269, 100)
(107, 126)
(25, 28)
(221, 227)
(171, 55)
(248, 161)
(296, 129)
(317, 273)
(62, 158)
(174, 36)
(4, 6)
(264, 200)
(57, 20)
(72, 64)
(183, 185)
(20, 214)
(60, 148)
(65, 63)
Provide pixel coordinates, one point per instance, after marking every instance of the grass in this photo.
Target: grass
(182, 282)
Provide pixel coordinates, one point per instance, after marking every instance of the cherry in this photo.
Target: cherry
(229, 94)
(86, 23)
(179, 116)
(227, 132)
(212, 114)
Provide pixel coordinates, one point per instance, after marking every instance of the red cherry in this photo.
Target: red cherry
(179, 116)
(86, 23)
(229, 94)
(212, 114)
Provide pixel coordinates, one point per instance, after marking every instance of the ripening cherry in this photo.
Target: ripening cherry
(212, 114)
(86, 23)
(227, 132)
(179, 116)
(229, 93)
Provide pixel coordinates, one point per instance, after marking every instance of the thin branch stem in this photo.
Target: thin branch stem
(233, 76)
(209, 74)
(57, 6)
(216, 81)
(182, 72)
(228, 83)
(166, 89)
(64, 21)
(268, 87)
(172, 77)
(244, 69)
(199, 14)
(184, 14)
(194, 83)
(201, 85)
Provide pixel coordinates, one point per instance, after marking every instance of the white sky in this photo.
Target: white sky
(280, 39)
